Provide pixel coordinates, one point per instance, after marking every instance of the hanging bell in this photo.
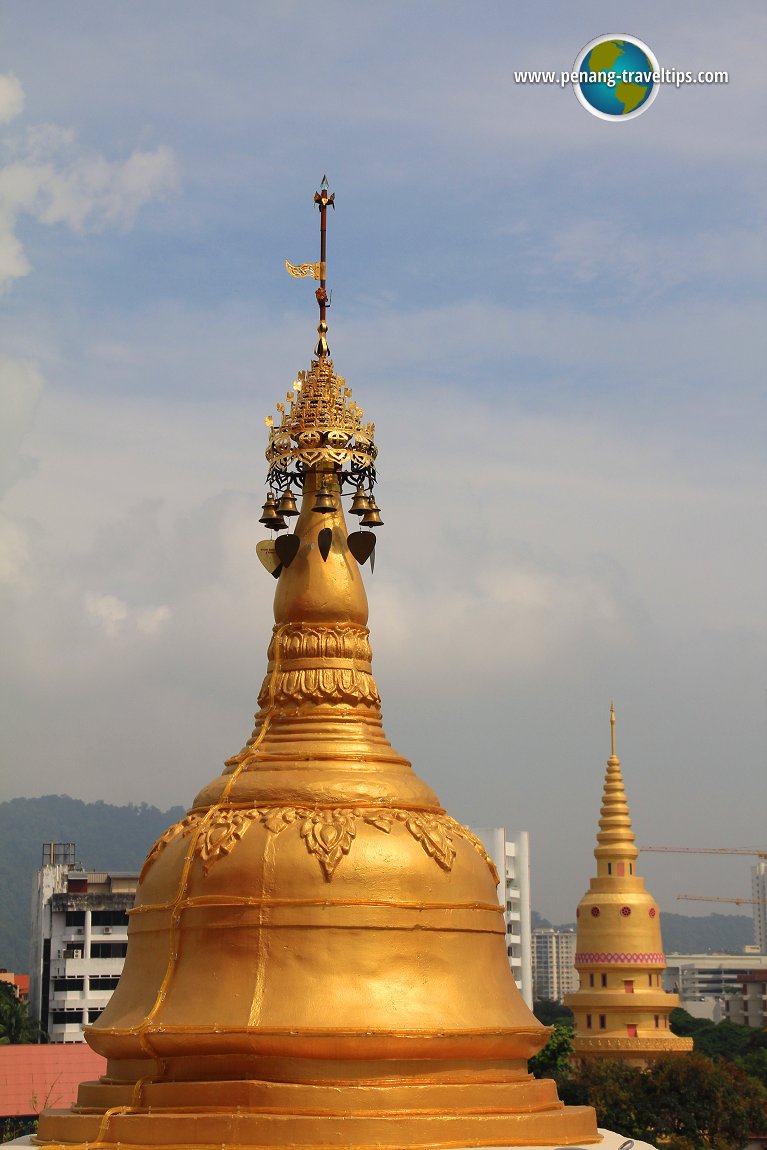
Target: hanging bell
(270, 513)
(324, 501)
(360, 503)
(278, 523)
(372, 517)
(287, 504)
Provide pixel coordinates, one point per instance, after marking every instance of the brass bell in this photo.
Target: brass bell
(360, 503)
(278, 523)
(372, 517)
(287, 505)
(324, 501)
(270, 513)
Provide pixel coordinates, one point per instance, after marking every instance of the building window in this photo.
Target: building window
(604, 980)
(603, 1022)
(588, 1022)
(68, 984)
(631, 868)
(657, 1022)
(75, 918)
(110, 918)
(66, 1017)
(102, 982)
(93, 1014)
(591, 980)
(628, 985)
(109, 949)
(609, 868)
(631, 1030)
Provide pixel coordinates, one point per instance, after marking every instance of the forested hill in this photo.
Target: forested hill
(107, 838)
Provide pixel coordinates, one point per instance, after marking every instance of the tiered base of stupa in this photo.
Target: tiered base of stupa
(395, 1106)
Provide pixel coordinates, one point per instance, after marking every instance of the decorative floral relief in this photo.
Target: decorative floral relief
(327, 833)
(183, 827)
(220, 835)
(433, 835)
(340, 684)
(329, 836)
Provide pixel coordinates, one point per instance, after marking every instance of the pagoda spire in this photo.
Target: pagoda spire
(621, 1009)
(615, 838)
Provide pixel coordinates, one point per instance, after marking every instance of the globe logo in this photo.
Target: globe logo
(617, 77)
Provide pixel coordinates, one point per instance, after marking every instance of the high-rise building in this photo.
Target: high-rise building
(621, 1009)
(554, 973)
(79, 941)
(510, 851)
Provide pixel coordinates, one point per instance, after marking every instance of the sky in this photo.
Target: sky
(556, 323)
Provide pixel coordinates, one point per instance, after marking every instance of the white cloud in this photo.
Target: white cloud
(14, 551)
(109, 612)
(114, 617)
(53, 180)
(11, 97)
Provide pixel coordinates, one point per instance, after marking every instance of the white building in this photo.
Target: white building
(511, 854)
(703, 981)
(79, 941)
(554, 973)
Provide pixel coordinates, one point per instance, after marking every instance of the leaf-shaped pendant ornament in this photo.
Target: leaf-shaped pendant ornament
(324, 539)
(287, 547)
(267, 552)
(361, 545)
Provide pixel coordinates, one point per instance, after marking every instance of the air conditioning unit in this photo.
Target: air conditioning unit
(107, 930)
(78, 930)
(77, 954)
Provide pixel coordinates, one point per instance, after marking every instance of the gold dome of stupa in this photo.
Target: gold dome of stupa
(317, 954)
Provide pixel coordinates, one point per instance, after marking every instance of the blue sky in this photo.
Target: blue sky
(556, 323)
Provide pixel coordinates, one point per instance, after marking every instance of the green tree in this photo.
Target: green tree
(694, 1102)
(15, 1024)
(549, 1012)
(616, 1091)
(555, 1060)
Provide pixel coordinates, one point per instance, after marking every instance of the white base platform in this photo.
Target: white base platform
(610, 1141)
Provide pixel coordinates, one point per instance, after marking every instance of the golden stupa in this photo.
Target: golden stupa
(621, 1009)
(317, 956)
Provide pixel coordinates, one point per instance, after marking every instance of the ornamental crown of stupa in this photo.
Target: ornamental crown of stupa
(319, 422)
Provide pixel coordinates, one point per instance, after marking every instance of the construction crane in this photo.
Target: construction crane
(721, 898)
(758, 853)
(754, 852)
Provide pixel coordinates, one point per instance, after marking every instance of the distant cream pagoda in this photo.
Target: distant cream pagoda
(621, 1010)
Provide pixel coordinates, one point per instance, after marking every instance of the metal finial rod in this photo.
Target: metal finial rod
(612, 730)
(322, 199)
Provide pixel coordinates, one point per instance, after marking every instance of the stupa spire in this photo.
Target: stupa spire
(317, 955)
(620, 1008)
(615, 839)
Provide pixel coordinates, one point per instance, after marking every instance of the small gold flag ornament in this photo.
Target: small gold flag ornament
(300, 271)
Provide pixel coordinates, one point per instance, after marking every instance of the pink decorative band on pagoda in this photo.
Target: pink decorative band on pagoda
(594, 958)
